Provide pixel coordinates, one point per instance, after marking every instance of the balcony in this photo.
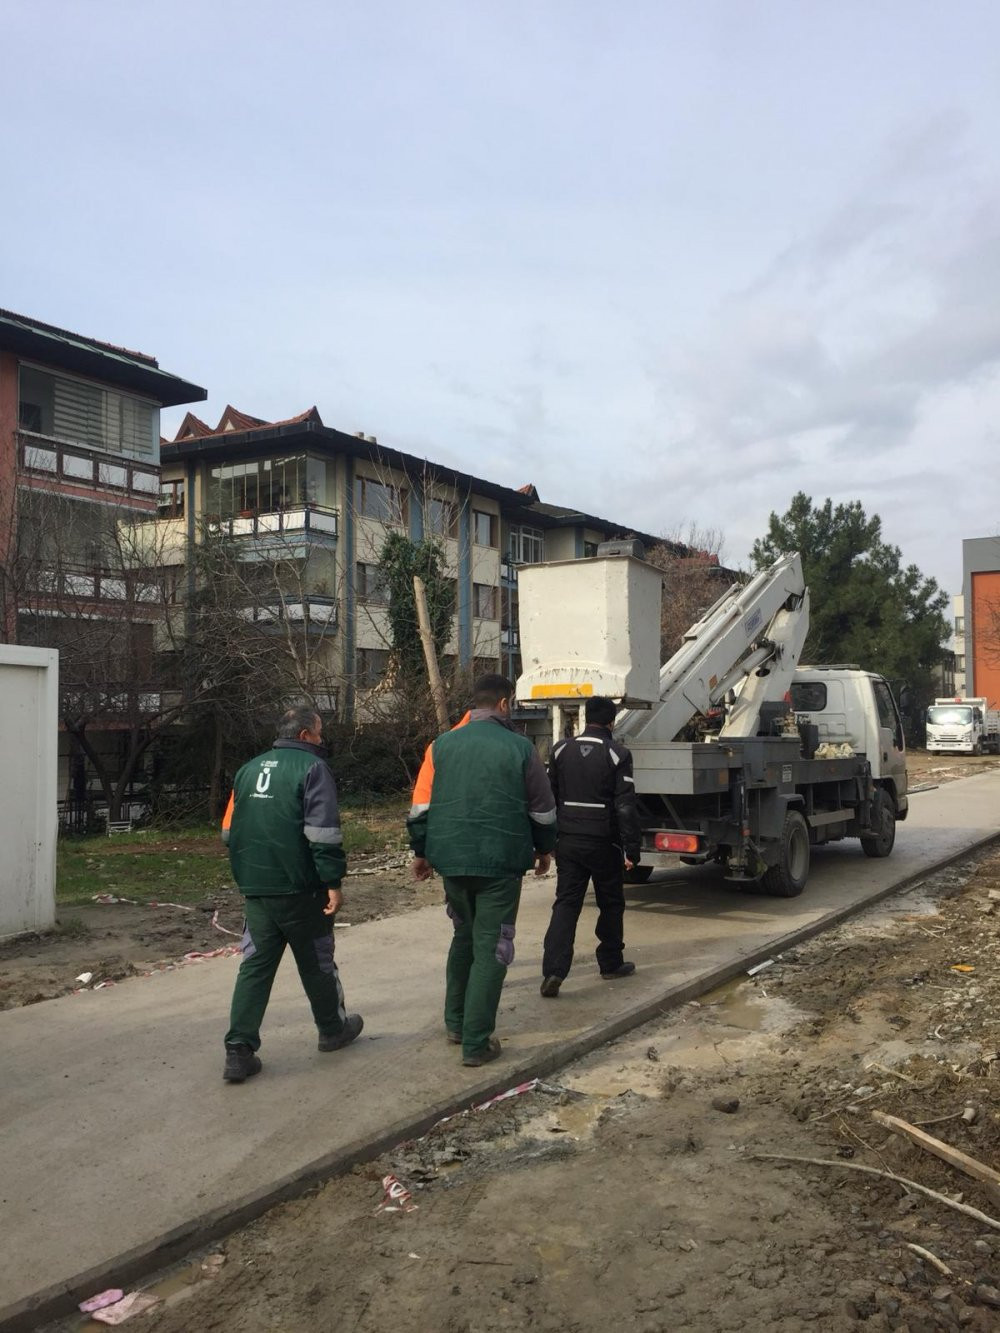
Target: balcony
(119, 703)
(60, 464)
(315, 612)
(68, 585)
(314, 519)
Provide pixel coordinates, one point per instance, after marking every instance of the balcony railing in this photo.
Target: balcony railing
(90, 583)
(313, 611)
(309, 518)
(40, 456)
(117, 701)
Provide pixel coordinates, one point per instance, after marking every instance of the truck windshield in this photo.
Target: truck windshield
(949, 716)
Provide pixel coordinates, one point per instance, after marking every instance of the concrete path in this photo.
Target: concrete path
(120, 1145)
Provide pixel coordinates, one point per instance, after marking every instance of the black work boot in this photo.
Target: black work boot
(353, 1024)
(614, 973)
(483, 1057)
(241, 1064)
(550, 987)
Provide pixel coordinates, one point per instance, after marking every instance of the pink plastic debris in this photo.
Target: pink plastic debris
(215, 923)
(134, 1303)
(398, 1198)
(517, 1091)
(103, 1298)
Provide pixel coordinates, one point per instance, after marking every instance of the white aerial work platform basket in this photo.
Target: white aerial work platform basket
(590, 627)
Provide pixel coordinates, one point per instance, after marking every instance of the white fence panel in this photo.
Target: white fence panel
(29, 723)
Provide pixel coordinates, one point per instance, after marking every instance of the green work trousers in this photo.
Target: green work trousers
(272, 921)
(483, 913)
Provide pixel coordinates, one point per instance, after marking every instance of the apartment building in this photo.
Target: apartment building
(980, 635)
(319, 503)
(957, 644)
(79, 459)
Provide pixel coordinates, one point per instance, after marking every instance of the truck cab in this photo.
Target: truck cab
(852, 707)
(962, 726)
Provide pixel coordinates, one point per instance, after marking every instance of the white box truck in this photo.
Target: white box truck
(742, 756)
(962, 726)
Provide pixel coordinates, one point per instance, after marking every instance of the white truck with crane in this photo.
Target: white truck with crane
(742, 756)
(962, 726)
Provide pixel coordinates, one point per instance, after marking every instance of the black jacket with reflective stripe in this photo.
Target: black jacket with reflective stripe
(591, 776)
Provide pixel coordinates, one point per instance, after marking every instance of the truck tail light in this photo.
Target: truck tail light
(676, 842)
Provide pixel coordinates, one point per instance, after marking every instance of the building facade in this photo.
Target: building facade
(981, 618)
(79, 463)
(319, 503)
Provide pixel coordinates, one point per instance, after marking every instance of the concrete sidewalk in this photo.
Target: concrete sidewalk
(120, 1144)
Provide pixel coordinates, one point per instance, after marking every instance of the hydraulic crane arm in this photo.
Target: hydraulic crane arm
(752, 634)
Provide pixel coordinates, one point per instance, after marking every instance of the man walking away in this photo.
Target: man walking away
(282, 827)
(482, 814)
(599, 838)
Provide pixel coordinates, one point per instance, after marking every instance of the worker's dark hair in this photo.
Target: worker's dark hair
(301, 717)
(489, 690)
(602, 711)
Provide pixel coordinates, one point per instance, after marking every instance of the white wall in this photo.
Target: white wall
(29, 723)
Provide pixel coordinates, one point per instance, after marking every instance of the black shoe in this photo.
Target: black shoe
(489, 1052)
(625, 970)
(353, 1024)
(241, 1064)
(455, 1038)
(550, 987)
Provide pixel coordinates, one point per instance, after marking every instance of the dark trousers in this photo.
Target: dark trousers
(483, 913)
(578, 861)
(272, 921)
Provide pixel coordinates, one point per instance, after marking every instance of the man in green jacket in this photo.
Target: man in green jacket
(482, 814)
(282, 827)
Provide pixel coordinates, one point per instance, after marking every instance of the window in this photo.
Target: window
(372, 584)
(883, 702)
(484, 601)
(268, 485)
(379, 500)
(371, 666)
(171, 501)
(484, 528)
(84, 413)
(808, 696)
(960, 624)
(589, 549)
(441, 518)
(959, 661)
(527, 546)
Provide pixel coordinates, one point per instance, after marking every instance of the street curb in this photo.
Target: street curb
(125, 1270)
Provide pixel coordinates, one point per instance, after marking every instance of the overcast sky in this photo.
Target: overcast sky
(669, 261)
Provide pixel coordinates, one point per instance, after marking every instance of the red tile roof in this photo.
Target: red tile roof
(233, 421)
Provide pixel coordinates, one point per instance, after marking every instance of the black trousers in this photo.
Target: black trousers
(578, 861)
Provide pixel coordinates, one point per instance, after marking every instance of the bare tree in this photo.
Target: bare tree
(91, 582)
(694, 580)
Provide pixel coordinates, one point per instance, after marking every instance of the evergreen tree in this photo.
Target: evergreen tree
(866, 607)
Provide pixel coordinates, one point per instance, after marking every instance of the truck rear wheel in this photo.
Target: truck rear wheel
(787, 877)
(880, 842)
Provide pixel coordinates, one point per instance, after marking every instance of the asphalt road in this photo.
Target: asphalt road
(120, 1146)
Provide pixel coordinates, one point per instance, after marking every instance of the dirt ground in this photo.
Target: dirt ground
(653, 1187)
(118, 940)
(114, 941)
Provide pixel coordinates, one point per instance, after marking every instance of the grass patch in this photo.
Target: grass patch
(189, 865)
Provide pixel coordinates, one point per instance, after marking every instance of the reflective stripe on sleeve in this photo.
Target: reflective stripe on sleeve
(331, 837)
(544, 817)
(418, 809)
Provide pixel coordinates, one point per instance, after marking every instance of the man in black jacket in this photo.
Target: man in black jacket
(599, 838)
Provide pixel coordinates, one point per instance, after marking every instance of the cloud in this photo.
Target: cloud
(838, 367)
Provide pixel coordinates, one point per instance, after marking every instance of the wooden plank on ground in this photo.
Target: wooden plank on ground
(953, 1156)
